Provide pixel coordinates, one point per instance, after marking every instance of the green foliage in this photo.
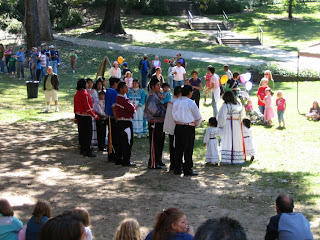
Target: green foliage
(15, 9)
(155, 7)
(10, 25)
(217, 6)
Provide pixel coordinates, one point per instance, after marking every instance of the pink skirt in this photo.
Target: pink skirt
(268, 114)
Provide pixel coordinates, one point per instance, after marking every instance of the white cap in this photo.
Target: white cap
(51, 46)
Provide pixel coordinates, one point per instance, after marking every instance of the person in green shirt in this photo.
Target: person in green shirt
(73, 57)
(12, 65)
(268, 75)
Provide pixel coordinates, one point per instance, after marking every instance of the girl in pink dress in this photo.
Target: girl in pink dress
(268, 112)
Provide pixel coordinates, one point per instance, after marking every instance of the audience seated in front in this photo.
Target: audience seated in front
(129, 229)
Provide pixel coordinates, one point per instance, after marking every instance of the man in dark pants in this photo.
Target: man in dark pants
(110, 100)
(83, 109)
(155, 112)
(124, 111)
(187, 116)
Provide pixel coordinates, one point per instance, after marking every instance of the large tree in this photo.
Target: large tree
(31, 23)
(44, 20)
(111, 22)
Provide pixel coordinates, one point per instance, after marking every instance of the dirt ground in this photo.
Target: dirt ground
(41, 160)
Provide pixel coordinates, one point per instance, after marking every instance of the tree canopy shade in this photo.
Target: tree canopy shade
(111, 22)
(31, 22)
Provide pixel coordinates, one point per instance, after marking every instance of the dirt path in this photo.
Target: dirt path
(41, 160)
(204, 57)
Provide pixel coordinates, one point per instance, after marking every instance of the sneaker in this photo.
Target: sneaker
(57, 109)
(47, 109)
(73, 71)
(139, 136)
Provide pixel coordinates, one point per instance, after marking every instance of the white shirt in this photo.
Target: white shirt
(115, 72)
(169, 123)
(179, 73)
(186, 111)
(229, 74)
(215, 79)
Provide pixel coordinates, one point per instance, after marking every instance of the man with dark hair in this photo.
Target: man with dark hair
(124, 111)
(155, 112)
(220, 229)
(170, 124)
(181, 60)
(110, 100)
(288, 225)
(187, 116)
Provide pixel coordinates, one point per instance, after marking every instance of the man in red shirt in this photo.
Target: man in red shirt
(83, 109)
(124, 111)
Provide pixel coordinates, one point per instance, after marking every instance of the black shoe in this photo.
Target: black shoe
(191, 174)
(162, 164)
(252, 158)
(89, 155)
(129, 165)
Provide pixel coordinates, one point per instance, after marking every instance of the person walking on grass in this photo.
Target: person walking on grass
(50, 87)
(20, 66)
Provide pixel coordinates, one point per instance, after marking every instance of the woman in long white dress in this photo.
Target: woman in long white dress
(230, 120)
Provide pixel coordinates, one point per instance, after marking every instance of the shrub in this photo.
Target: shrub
(217, 6)
(155, 7)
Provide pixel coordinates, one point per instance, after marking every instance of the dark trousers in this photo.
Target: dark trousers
(173, 157)
(184, 143)
(156, 141)
(85, 133)
(101, 133)
(196, 97)
(39, 74)
(124, 146)
(113, 145)
(144, 80)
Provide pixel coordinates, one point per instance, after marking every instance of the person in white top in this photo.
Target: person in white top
(170, 124)
(215, 89)
(115, 71)
(187, 116)
(228, 71)
(179, 74)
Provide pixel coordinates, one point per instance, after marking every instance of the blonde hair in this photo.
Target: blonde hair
(268, 72)
(264, 79)
(83, 215)
(279, 94)
(128, 73)
(129, 229)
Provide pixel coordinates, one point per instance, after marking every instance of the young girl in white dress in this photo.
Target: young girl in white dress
(211, 142)
(247, 137)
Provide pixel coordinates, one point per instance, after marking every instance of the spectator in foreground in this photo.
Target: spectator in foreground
(50, 87)
(288, 225)
(129, 229)
(83, 215)
(9, 225)
(220, 229)
(66, 226)
(171, 224)
(40, 215)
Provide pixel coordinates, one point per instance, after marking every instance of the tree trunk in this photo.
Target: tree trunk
(290, 9)
(44, 20)
(31, 23)
(111, 22)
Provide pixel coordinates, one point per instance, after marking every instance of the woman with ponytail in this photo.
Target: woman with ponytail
(171, 224)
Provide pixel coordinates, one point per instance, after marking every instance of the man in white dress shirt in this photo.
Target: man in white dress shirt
(187, 116)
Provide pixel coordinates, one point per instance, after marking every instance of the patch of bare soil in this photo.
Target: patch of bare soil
(41, 160)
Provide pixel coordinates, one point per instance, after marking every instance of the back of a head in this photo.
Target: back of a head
(185, 90)
(177, 91)
(83, 215)
(41, 209)
(81, 84)
(220, 229)
(113, 80)
(63, 227)
(5, 208)
(285, 203)
(228, 97)
(129, 229)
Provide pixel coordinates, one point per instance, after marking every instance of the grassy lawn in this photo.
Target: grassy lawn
(288, 160)
(279, 31)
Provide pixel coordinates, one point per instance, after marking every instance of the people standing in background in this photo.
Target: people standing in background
(281, 107)
(33, 61)
(158, 75)
(211, 141)
(101, 123)
(268, 111)
(125, 69)
(128, 79)
(233, 84)
(155, 63)
(115, 71)
(54, 59)
(170, 76)
(183, 62)
(268, 75)
(95, 101)
(179, 75)
(144, 69)
(2, 60)
(187, 116)
(12, 65)
(50, 87)
(73, 58)
(247, 137)
(196, 85)
(215, 90)
(207, 90)
(43, 60)
(7, 54)
(227, 71)
(261, 94)
(20, 65)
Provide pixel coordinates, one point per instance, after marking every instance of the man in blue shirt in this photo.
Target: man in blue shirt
(54, 56)
(288, 225)
(20, 66)
(110, 100)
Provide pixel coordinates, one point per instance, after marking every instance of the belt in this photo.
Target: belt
(212, 138)
(246, 137)
(233, 119)
(186, 124)
(124, 119)
(156, 121)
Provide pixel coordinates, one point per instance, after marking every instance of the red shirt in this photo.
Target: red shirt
(123, 107)
(280, 102)
(83, 104)
(262, 93)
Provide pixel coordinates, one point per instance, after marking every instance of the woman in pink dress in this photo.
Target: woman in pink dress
(268, 112)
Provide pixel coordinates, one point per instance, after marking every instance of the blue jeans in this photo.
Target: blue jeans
(214, 106)
(261, 109)
(144, 79)
(2, 65)
(177, 83)
(54, 65)
(280, 116)
(44, 72)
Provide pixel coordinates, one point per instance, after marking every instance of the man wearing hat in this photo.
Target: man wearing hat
(54, 56)
(228, 71)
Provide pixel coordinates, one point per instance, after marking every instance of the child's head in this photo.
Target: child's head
(135, 83)
(194, 74)
(125, 64)
(12, 55)
(42, 209)
(122, 88)
(236, 75)
(128, 74)
(83, 215)
(264, 82)
(165, 87)
(171, 65)
(268, 91)
(246, 122)
(72, 50)
(177, 91)
(89, 83)
(101, 95)
(128, 229)
(211, 69)
(315, 104)
(5, 208)
(249, 102)
(279, 94)
(213, 122)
